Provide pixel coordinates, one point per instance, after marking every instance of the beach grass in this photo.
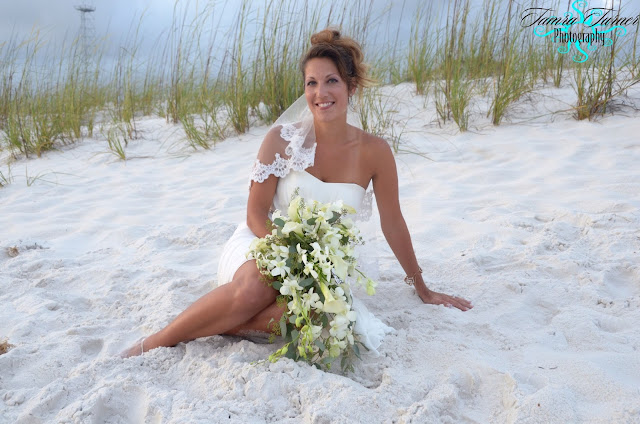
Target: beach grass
(599, 80)
(117, 140)
(216, 79)
(6, 177)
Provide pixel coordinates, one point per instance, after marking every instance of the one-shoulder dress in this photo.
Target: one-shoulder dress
(369, 328)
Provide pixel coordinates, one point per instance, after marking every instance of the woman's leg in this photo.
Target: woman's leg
(217, 312)
(265, 321)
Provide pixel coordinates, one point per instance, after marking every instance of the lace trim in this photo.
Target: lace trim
(294, 136)
(280, 167)
(300, 158)
(364, 212)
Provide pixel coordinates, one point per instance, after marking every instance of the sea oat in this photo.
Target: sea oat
(12, 252)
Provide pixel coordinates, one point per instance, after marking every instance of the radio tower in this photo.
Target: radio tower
(86, 34)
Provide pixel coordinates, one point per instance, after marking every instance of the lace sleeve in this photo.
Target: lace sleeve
(280, 152)
(260, 171)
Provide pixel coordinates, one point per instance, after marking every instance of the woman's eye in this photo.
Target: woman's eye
(310, 82)
(333, 80)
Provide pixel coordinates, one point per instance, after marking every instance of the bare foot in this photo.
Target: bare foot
(135, 350)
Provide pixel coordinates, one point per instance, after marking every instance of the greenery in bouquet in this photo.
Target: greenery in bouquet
(308, 257)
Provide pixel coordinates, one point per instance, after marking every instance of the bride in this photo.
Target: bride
(327, 159)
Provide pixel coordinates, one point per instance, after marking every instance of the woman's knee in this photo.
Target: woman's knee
(252, 290)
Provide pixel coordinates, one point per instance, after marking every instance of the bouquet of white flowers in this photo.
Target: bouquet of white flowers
(307, 258)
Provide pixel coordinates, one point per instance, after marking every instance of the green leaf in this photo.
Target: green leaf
(293, 249)
(328, 360)
(306, 282)
(325, 320)
(292, 319)
(279, 222)
(294, 334)
(276, 284)
(283, 327)
(356, 350)
(311, 221)
(292, 354)
(319, 344)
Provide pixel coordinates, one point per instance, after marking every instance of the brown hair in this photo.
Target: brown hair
(344, 52)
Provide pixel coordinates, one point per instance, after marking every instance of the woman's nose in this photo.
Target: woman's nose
(321, 89)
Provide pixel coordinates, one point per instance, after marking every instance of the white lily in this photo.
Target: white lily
(340, 267)
(331, 304)
(292, 211)
(292, 226)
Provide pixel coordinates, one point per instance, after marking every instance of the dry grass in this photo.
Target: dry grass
(5, 346)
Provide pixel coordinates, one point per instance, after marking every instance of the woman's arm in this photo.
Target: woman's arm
(394, 227)
(258, 205)
(261, 194)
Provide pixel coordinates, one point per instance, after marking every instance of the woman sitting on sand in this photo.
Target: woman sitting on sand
(324, 158)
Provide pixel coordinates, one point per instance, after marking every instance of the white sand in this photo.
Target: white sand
(537, 223)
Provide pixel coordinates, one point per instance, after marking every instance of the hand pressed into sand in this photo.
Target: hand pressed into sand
(435, 298)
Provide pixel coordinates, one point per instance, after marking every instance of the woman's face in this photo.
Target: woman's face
(325, 90)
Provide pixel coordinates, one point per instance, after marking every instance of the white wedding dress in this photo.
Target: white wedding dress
(370, 329)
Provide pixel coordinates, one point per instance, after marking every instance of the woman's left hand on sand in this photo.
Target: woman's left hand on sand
(435, 298)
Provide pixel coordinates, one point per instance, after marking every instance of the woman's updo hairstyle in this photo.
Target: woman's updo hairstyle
(344, 52)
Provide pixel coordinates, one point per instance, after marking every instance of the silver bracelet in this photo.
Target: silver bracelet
(411, 279)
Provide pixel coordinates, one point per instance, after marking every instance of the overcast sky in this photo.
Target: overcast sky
(57, 18)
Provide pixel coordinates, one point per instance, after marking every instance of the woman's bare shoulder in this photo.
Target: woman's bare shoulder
(375, 148)
(273, 142)
(274, 134)
(369, 140)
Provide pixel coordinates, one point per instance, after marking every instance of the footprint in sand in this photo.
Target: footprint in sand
(52, 397)
(118, 404)
(91, 347)
(611, 324)
(529, 383)
(621, 282)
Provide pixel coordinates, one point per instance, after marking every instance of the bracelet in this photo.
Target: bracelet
(411, 279)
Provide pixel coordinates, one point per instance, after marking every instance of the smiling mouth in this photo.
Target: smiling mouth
(324, 105)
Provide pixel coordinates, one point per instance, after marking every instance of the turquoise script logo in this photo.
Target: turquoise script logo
(595, 19)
